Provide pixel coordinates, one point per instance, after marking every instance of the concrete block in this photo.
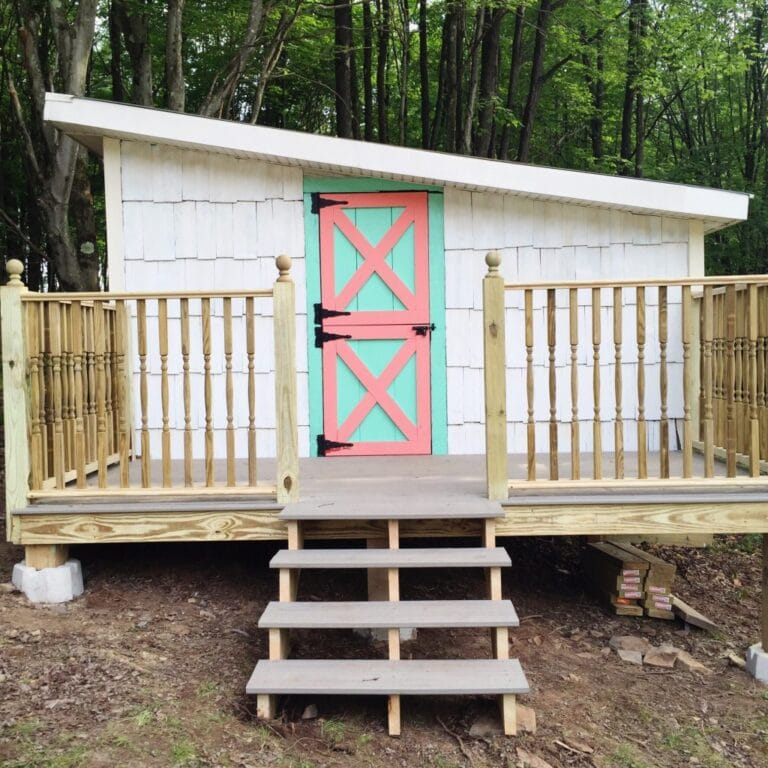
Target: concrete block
(757, 662)
(49, 585)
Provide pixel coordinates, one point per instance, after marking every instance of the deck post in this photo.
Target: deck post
(15, 385)
(495, 379)
(285, 383)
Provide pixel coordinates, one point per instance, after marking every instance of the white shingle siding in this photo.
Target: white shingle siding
(542, 240)
(203, 222)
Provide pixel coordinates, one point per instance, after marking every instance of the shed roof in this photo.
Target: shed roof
(90, 120)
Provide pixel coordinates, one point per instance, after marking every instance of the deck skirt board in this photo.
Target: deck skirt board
(440, 557)
(384, 615)
(421, 677)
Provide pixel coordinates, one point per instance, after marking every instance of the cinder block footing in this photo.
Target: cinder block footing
(757, 662)
(380, 635)
(49, 585)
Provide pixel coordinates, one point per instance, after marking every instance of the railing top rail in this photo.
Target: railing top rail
(656, 282)
(138, 295)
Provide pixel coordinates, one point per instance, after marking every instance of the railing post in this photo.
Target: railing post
(15, 406)
(495, 379)
(285, 383)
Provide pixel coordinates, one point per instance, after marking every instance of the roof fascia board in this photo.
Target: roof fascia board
(82, 118)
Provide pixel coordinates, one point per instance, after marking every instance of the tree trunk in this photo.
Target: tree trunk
(133, 21)
(543, 18)
(174, 66)
(342, 58)
(424, 74)
(474, 80)
(115, 66)
(489, 81)
(382, 92)
(219, 95)
(515, 65)
(405, 65)
(628, 113)
(367, 71)
(50, 156)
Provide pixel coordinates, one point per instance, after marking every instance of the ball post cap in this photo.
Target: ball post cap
(283, 263)
(15, 269)
(493, 260)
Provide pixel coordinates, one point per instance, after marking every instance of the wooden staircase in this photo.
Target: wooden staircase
(394, 676)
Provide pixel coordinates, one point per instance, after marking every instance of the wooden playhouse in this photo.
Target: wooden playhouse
(449, 346)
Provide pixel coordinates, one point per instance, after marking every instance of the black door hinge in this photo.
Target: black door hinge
(322, 336)
(322, 202)
(423, 330)
(321, 313)
(323, 445)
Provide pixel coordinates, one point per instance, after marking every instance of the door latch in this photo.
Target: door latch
(423, 330)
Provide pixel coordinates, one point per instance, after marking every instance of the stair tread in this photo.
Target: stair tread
(410, 508)
(409, 677)
(438, 557)
(385, 615)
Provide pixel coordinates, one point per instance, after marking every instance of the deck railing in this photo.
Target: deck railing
(147, 382)
(610, 368)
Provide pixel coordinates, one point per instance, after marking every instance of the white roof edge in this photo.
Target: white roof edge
(84, 118)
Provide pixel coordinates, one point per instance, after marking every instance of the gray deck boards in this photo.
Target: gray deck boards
(154, 506)
(408, 677)
(433, 507)
(385, 615)
(601, 497)
(438, 557)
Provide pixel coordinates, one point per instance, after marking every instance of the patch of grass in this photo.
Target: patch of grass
(144, 717)
(334, 730)
(626, 756)
(72, 758)
(693, 742)
(183, 753)
(363, 739)
(207, 689)
(121, 741)
(441, 761)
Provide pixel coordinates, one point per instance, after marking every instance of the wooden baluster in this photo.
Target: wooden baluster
(618, 425)
(754, 424)
(251, 352)
(762, 368)
(642, 449)
(208, 392)
(551, 344)
(742, 320)
(54, 320)
(573, 299)
(688, 387)
(531, 424)
(730, 380)
(91, 380)
(187, 392)
(77, 352)
(663, 383)
(108, 365)
(146, 468)
(33, 312)
(597, 437)
(719, 385)
(707, 364)
(123, 436)
(162, 319)
(67, 412)
(230, 392)
(101, 391)
(46, 392)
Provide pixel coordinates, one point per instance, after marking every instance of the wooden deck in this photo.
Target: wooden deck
(425, 488)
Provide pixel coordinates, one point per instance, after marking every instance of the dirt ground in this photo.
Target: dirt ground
(148, 668)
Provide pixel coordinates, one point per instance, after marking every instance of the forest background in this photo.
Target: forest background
(672, 90)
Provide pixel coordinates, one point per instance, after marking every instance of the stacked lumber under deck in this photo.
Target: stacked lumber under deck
(393, 677)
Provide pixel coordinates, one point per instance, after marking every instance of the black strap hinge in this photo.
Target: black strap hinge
(324, 445)
(321, 313)
(322, 336)
(323, 202)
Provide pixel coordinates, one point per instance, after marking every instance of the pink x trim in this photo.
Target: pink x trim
(374, 258)
(377, 390)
